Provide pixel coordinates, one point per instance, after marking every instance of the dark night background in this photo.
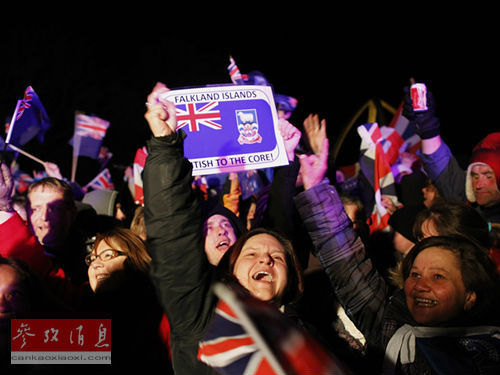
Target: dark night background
(332, 64)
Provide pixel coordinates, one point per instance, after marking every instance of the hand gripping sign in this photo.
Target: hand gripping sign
(229, 128)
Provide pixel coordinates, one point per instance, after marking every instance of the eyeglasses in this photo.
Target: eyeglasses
(104, 256)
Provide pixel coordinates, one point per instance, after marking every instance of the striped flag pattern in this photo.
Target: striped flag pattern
(102, 181)
(89, 134)
(234, 72)
(249, 336)
(139, 161)
(376, 168)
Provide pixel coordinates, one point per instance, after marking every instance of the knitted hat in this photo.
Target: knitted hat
(486, 152)
(236, 222)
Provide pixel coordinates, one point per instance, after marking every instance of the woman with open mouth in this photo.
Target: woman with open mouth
(260, 261)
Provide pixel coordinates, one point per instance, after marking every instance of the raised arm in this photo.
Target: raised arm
(439, 162)
(359, 288)
(180, 270)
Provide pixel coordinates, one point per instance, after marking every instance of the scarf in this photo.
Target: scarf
(403, 343)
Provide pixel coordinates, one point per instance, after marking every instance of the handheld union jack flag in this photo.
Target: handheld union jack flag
(249, 336)
(30, 120)
(90, 126)
(102, 181)
(198, 114)
(234, 72)
(89, 134)
(376, 168)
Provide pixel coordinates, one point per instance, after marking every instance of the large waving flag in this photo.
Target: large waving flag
(411, 141)
(29, 120)
(376, 168)
(404, 143)
(89, 134)
(249, 336)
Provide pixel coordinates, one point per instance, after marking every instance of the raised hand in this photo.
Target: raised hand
(160, 113)
(315, 132)
(52, 170)
(6, 187)
(291, 137)
(314, 167)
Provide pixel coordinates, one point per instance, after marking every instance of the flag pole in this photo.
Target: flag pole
(12, 121)
(76, 152)
(11, 126)
(26, 153)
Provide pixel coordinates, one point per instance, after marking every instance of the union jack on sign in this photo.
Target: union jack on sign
(194, 115)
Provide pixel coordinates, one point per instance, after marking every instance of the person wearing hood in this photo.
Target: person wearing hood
(221, 229)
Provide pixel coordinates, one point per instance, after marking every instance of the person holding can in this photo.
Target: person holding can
(480, 183)
(446, 317)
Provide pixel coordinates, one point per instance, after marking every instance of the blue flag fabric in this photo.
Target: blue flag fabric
(31, 120)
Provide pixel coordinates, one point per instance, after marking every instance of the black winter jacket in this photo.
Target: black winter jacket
(180, 271)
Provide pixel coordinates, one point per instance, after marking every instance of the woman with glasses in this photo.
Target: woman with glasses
(120, 289)
(116, 253)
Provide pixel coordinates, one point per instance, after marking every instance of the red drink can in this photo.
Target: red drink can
(419, 97)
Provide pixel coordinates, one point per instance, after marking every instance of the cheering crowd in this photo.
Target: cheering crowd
(417, 294)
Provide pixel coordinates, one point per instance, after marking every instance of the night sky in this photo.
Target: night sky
(332, 68)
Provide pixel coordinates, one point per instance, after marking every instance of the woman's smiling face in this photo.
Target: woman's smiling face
(106, 275)
(435, 291)
(261, 267)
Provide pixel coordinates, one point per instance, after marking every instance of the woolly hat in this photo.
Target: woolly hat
(236, 222)
(486, 152)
